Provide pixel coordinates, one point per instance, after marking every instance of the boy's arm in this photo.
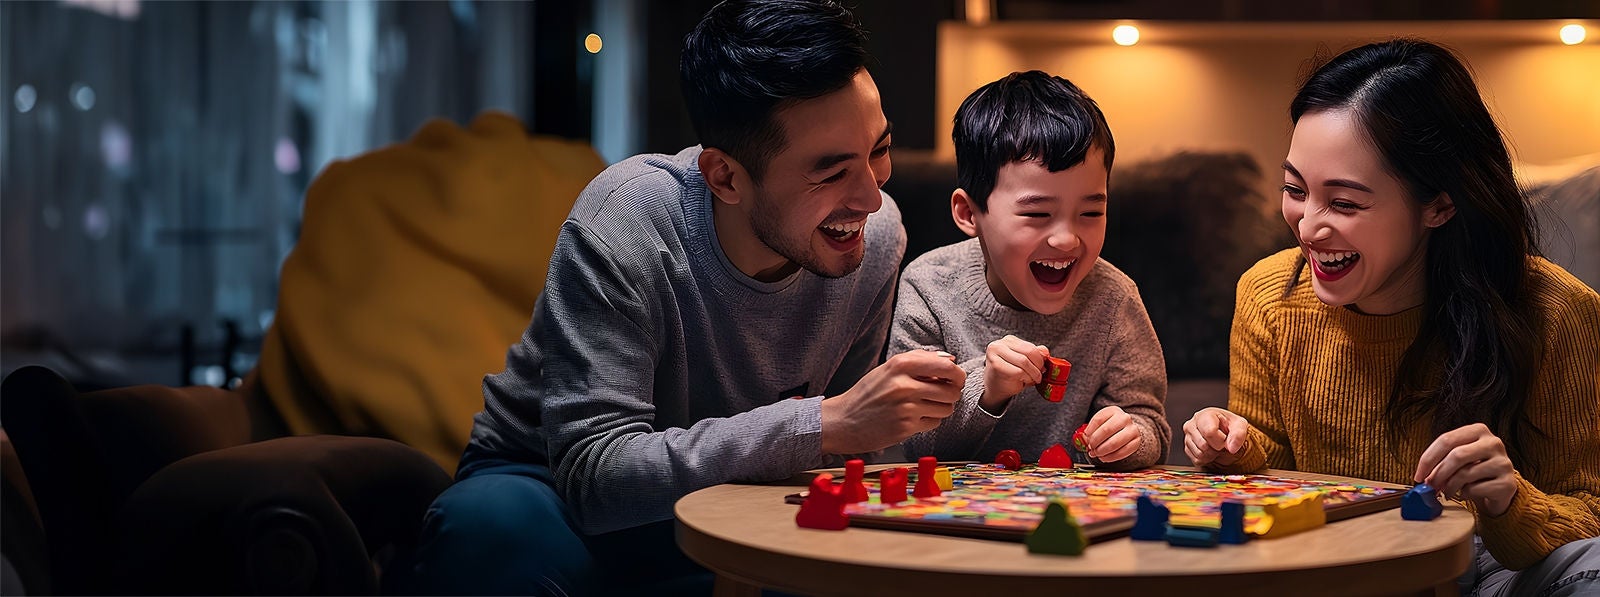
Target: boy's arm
(960, 435)
(1136, 381)
(584, 373)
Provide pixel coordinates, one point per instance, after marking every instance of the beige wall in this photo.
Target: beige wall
(1228, 86)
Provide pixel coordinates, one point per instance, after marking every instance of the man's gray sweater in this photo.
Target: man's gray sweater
(653, 367)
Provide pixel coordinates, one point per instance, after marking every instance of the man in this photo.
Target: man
(698, 310)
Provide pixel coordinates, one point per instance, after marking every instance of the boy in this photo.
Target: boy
(1033, 158)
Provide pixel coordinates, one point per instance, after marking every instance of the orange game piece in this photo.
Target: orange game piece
(1055, 457)
(824, 506)
(927, 486)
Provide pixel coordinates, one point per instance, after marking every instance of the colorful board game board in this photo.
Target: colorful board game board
(990, 502)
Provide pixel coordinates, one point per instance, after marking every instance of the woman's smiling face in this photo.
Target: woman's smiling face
(1363, 236)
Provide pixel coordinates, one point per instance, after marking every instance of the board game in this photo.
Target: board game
(991, 502)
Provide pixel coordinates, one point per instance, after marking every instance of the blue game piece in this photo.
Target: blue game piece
(1151, 521)
(1421, 503)
(1192, 537)
(1232, 531)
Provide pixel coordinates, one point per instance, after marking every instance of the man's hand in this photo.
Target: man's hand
(1215, 436)
(910, 393)
(1470, 463)
(1112, 435)
(1009, 365)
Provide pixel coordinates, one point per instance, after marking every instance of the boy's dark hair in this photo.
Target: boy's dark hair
(1025, 116)
(748, 59)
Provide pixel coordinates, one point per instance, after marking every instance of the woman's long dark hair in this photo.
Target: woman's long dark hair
(1419, 107)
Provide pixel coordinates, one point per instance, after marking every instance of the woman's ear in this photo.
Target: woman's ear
(725, 176)
(964, 212)
(1435, 213)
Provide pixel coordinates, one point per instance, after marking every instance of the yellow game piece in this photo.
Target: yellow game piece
(1287, 517)
(941, 476)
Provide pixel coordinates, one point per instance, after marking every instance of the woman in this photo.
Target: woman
(1415, 335)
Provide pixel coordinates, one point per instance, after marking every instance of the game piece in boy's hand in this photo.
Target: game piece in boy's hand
(1058, 533)
(1055, 457)
(1232, 530)
(854, 473)
(824, 506)
(927, 485)
(1009, 460)
(1150, 522)
(1421, 503)
(892, 485)
(1080, 439)
(1053, 385)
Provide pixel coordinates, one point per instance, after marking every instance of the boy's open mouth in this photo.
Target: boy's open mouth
(1051, 272)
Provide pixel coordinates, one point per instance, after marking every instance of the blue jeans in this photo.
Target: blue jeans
(502, 529)
(1571, 570)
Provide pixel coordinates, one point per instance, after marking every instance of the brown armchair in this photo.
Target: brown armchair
(159, 490)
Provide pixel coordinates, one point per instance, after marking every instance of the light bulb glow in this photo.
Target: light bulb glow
(592, 43)
(1573, 34)
(1125, 35)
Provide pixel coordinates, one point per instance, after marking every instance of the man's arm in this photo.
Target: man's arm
(968, 426)
(591, 356)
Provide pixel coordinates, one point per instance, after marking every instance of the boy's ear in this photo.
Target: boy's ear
(1435, 213)
(964, 212)
(725, 176)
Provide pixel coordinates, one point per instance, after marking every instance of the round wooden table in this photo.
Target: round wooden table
(746, 534)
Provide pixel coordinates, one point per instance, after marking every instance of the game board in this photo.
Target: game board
(991, 502)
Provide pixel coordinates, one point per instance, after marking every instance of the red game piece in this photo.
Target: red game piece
(1080, 440)
(1055, 457)
(926, 485)
(1054, 384)
(854, 490)
(824, 506)
(1009, 459)
(892, 485)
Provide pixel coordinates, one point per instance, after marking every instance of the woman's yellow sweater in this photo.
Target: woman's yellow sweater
(1313, 379)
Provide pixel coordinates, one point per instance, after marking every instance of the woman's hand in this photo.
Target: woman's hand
(1215, 436)
(1470, 463)
(1112, 435)
(1009, 365)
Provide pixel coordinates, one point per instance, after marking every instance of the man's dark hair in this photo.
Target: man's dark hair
(749, 59)
(1025, 116)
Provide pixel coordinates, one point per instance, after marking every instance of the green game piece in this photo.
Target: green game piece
(1058, 533)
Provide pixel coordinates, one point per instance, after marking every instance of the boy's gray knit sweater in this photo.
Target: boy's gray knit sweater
(945, 303)
(653, 367)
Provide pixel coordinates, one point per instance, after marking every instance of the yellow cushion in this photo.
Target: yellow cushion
(417, 266)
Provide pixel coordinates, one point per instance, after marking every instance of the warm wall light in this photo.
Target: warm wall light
(1573, 34)
(592, 43)
(979, 11)
(1125, 35)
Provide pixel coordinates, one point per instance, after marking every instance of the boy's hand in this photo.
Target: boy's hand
(1215, 436)
(1470, 463)
(909, 393)
(1112, 434)
(1009, 365)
